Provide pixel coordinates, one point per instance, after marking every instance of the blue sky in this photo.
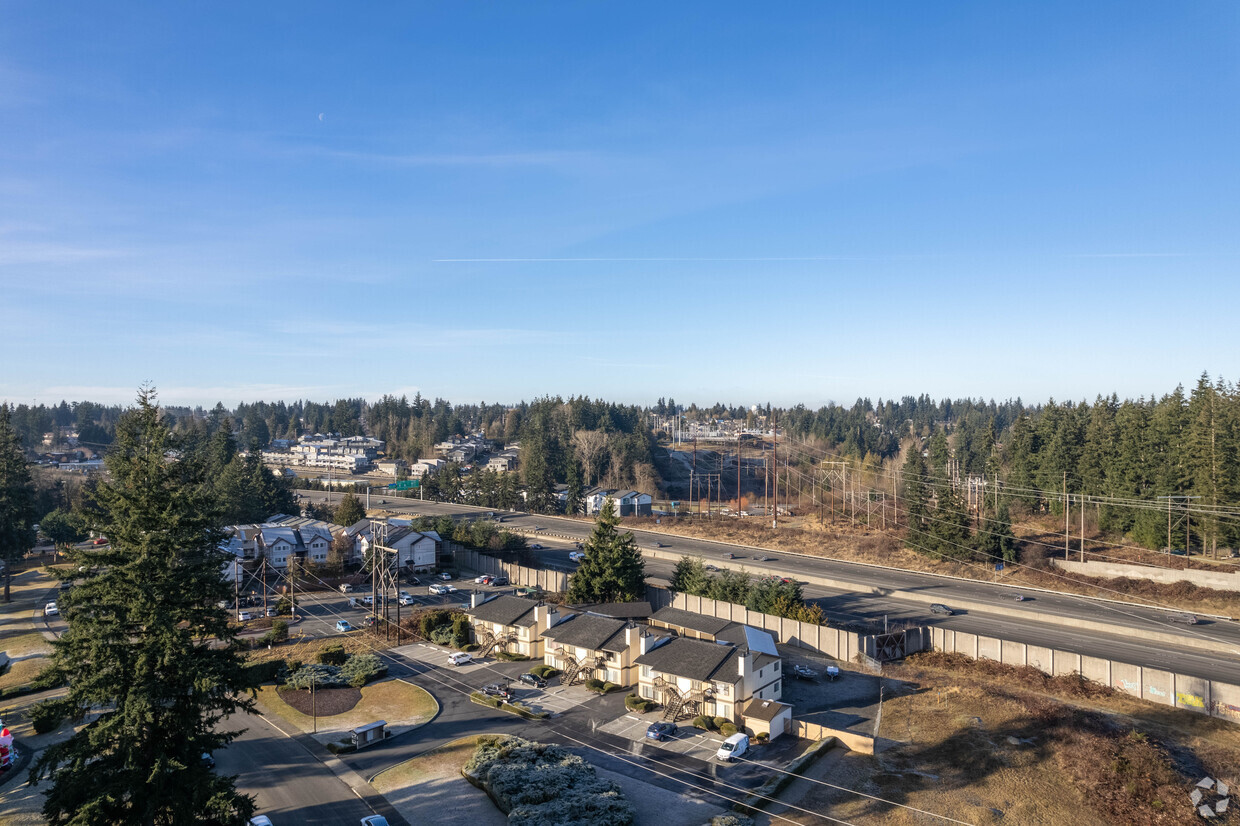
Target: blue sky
(715, 201)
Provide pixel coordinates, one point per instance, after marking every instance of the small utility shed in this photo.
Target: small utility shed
(770, 716)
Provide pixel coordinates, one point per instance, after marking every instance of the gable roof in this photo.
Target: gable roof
(694, 659)
(618, 610)
(755, 639)
(589, 631)
(688, 619)
(505, 610)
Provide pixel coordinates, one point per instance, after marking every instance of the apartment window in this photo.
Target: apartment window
(647, 692)
(647, 671)
(776, 689)
(695, 685)
(776, 668)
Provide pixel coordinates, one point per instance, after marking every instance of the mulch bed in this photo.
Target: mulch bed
(327, 701)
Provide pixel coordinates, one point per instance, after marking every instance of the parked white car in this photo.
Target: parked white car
(51, 609)
(460, 657)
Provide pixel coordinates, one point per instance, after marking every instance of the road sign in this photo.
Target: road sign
(412, 483)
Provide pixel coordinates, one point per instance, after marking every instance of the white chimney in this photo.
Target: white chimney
(475, 597)
(643, 644)
(744, 664)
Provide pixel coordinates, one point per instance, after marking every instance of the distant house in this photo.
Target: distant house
(502, 463)
(423, 466)
(413, 549)
(391, 467)
(594, 499)
(631, 503)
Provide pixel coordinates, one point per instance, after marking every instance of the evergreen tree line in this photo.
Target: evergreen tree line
(777, 596)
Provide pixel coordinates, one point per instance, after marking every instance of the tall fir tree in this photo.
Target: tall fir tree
(350, 510)
(613, 570)
(916, 496)
(17, 499)
(147, 648)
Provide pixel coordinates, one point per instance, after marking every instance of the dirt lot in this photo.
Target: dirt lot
(862, 544)
(325, 702)
(986, 743)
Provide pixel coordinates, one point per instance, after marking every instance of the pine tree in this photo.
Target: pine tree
(17, 499)
(613, 570)
(147, 648)
(916, 496)
(948, 532)
(689, 577)
(350, 511)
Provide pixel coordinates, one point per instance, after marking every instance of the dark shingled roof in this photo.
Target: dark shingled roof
(695, 659)
(688, 619)
(619, 610)
(589, 631)
(505, 610)
(766, 710)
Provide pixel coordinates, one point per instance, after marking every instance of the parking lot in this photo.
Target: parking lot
(688, 740)
(555, 698)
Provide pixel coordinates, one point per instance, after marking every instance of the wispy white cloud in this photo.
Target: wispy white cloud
(28, 252)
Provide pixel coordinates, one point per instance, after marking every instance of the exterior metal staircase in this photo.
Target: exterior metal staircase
(490, 642)
(675, 701)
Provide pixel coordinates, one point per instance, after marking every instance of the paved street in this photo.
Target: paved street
(1007, 618)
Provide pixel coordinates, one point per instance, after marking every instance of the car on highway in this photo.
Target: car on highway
(374, 820)
(51, 609)
(940, 608)
(497, 690)
(500, 580)
(460, 657)
(260, 820)
(765, 558)
(658, 545)
(576, 556)
(343, 626)
(1183, 619)
(245, 616)
(661, 731)
(485, 579)
(537, 547)
(533, 680)
(729, 556)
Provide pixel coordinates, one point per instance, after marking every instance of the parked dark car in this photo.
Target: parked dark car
(500, 580)
(497, 690)
(661, 731)
(533, 680)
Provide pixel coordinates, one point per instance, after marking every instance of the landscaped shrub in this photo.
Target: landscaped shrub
(333, 655)
(485, 699)
(535, 783)
(46, 716)
(470, 646)
(731, 820)
(594, 685)
(719, 721)
(727, 729)
(639, 704)
(442, 635)
(292, 664)
(761, 737)
(278, 633)
(361, 669)
(703, 722)
(460, 629)
(266, 672)
(317, 675)
(510, 658)
(545, 671)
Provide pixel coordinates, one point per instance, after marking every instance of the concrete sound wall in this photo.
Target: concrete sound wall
(1219, 580)
(1156, 685)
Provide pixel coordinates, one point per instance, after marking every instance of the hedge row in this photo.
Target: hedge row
(520, 709)
(639, 704)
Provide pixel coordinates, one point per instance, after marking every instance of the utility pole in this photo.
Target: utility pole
(1082, 529)
(264, 576)
(775, 461)
(1066, 508)
(738, 474)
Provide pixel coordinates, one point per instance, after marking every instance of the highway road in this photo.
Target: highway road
(1002, 617)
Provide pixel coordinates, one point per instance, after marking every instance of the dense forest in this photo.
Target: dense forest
(1115, 452)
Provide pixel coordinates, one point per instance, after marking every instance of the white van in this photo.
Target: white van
(460, 658)
(733, 747)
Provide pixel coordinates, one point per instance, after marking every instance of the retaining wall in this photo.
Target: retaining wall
(850, 739)
(1219, 580)
(1218, 699)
